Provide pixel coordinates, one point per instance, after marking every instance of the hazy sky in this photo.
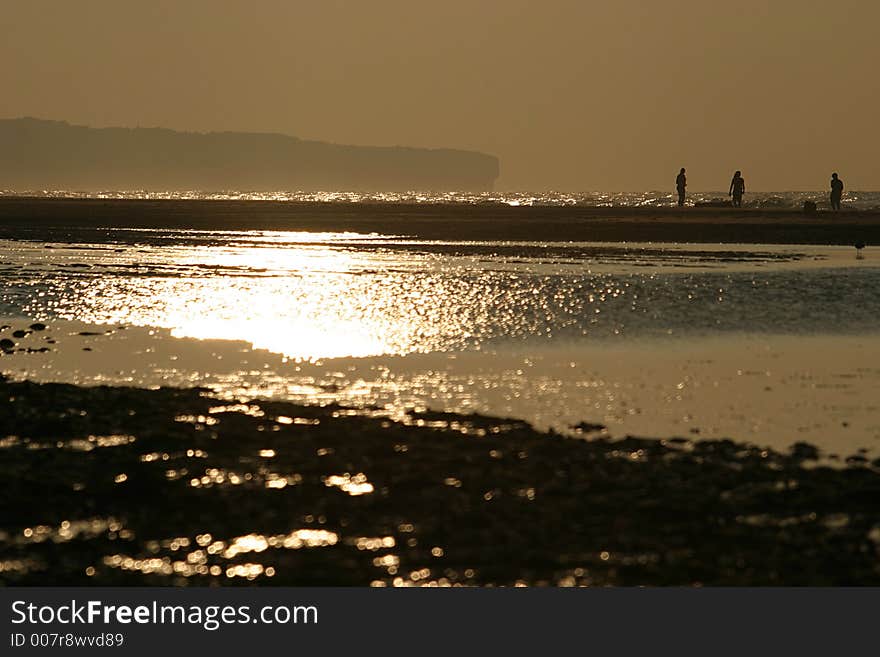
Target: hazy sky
(570, 94)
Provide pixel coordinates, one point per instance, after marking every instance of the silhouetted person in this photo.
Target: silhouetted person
(737, 189)
(836, 191)
(681, 184)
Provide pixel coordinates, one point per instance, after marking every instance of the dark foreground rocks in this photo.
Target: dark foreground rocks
(171, 487)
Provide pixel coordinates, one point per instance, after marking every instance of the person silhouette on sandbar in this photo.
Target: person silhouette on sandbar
(836, 191)
(681, 185)
(737, 189)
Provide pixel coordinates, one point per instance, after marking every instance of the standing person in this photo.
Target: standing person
(681, 185)
(836, 191)
(737, 189)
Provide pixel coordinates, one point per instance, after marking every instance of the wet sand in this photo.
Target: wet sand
(149, 485)
(21, 216)
(770, 391)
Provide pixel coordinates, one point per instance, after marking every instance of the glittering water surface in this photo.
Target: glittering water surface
(311, 296)
(244, 488)
(658, 199)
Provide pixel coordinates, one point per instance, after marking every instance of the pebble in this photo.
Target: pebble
(588, 427)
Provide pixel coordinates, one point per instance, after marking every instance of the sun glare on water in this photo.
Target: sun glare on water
(312, 296)
(305, 300)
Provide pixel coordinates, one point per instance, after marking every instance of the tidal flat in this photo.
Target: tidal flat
(172, 486)
(216, 394)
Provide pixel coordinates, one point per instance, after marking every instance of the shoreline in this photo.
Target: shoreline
(766, 390)
(110, 478)
(455, 222)
(277, 493)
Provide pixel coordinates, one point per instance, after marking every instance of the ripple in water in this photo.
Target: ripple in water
(340, 296)
(767, 200)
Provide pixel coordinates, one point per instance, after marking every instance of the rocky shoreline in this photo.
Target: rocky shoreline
(129, 486)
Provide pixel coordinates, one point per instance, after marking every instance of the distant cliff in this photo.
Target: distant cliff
(37, 154)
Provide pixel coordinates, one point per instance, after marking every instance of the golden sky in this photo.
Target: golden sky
(569, 94)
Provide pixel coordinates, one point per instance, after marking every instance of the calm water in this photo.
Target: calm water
(769, 200)
(323, 295)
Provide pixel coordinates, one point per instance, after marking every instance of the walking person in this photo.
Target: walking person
(737, 189)
(681, 185)
(836, 191)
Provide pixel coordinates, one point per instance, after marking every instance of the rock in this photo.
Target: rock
(19, 334)
(804, 451)
(588, 427)
(6, 344)
(809, 207)
(37, 326)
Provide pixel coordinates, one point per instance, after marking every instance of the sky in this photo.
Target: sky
(571, 95)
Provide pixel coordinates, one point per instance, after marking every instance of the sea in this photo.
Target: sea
(766, 200)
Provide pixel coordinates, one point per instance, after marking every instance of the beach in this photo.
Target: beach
(169, 486)
(769, 391)
(213, 392)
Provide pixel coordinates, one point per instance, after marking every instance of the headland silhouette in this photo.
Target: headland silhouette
(39, 154)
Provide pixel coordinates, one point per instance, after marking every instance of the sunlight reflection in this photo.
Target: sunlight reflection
(860, 200)
(311, 296)
(353, 485)
(312, 306)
